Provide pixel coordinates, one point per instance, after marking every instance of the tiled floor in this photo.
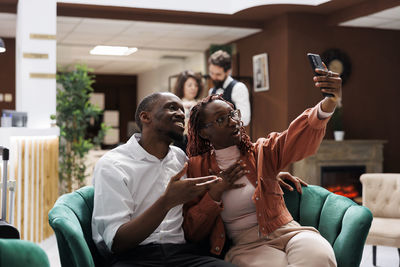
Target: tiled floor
(50, 247)
(386, 256)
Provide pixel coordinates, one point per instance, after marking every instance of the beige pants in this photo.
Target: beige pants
(289, 245)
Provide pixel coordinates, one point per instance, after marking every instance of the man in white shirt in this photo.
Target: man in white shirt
(137, 214)
(220, 68)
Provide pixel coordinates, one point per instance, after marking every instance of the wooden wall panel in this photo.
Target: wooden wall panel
(369, 96)
(34, 166)
(120, 94)
(7, 73)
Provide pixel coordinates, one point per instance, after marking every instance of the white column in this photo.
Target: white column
(36, 60)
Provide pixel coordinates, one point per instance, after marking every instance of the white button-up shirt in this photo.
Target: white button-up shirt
(127, 181)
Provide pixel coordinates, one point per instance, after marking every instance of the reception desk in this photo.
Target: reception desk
(34, 165)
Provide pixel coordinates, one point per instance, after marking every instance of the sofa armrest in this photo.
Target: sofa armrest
(350, 242)
(72, 245)
(21, 253)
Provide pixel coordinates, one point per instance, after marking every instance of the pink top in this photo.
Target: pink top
(239, 211)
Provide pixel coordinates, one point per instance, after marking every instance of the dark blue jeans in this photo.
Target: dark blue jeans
(168, 255)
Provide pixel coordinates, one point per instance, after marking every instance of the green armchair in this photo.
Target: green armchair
(71, 219)
(341, 221)
(21, 253)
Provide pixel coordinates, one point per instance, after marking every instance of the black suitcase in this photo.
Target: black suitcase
(6, 229)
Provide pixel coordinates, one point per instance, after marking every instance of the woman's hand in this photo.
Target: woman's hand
(331, 83)
(229, 177)
(296, 180)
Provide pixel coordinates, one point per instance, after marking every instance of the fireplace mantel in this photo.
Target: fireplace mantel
(368, 153)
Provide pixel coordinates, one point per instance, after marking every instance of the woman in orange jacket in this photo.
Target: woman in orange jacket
(248, 206)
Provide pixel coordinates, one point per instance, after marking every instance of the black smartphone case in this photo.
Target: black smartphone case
(316, 63)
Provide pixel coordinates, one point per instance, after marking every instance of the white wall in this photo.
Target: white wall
(36, 96)
(157, 79)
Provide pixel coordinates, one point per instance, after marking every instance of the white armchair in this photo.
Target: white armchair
(381, 194)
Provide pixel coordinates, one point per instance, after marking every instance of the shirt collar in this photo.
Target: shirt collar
(138, 152)
(227, 81)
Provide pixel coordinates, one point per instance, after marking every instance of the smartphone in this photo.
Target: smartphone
(316, 63)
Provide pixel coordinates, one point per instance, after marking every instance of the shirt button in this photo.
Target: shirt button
(216, 248)
(263, 228)
(257, 198)
(259, 215)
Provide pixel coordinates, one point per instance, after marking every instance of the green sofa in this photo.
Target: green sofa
(341, 221)
(21, 253)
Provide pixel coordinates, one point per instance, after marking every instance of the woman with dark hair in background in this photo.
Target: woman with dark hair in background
(248, 205)
(189, 88)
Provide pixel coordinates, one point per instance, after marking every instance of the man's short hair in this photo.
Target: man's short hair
(147, 104)
(222, 59)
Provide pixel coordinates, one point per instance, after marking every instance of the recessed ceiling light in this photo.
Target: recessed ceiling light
(106, 50)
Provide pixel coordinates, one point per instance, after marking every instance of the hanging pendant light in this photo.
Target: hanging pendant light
(2, 46)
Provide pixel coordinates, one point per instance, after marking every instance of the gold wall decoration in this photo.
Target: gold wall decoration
(35, 55)
(43, 36)
(42, 75)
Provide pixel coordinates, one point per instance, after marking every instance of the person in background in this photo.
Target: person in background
(189, 88)
(248, 205)
(235, 92)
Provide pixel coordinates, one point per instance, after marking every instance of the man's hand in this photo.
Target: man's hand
(181, 191)
(178, 191)
(229, 177)
(296, 180)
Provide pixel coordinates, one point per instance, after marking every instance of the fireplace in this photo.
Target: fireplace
(343, 180)
(341, 164)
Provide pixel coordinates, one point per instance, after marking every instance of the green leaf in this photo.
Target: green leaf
(73, 115)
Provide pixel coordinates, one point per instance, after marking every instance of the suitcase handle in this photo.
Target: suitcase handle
(6, 154)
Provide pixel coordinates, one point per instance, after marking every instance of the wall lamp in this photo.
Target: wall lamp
(2, 46)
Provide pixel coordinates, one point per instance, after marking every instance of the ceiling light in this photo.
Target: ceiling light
(2, 46)
(106, 50)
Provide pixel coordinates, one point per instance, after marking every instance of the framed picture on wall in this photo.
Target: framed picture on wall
(260, 72)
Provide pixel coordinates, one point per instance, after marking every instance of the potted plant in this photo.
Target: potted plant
(336, 123)
(74, 115)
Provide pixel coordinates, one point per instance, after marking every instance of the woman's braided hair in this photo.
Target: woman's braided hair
(196, 144)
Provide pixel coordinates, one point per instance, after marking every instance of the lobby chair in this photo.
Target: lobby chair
(381, 194)
(21, 253)
(71, 219)
(341, 221)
